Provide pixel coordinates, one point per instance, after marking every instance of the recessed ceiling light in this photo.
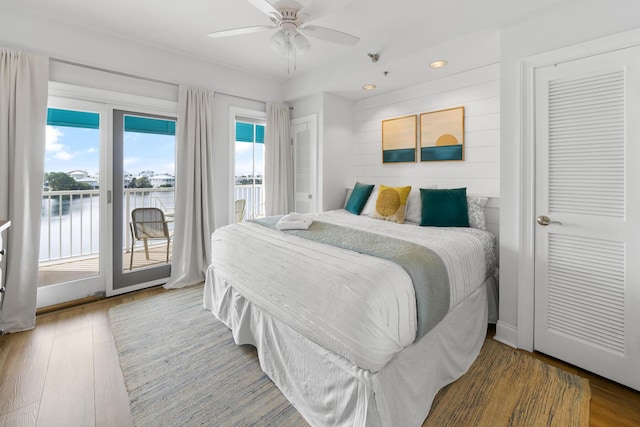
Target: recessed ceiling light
(370, 86)
(438, 64)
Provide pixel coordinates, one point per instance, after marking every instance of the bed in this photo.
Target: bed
(339, 324)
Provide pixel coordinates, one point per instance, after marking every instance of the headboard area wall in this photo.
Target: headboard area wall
(478, 91)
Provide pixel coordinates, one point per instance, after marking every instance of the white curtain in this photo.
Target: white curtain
(194, 220)
(278, 174)
(23, 117)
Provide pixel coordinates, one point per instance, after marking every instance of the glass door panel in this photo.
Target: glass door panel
(143, 197)
(70, 262)
(249, 166)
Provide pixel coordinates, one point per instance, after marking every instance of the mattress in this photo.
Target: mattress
(360, 307)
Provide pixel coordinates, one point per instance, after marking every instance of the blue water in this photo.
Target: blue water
(74, 226)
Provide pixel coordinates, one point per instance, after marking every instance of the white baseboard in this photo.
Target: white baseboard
(506, 334)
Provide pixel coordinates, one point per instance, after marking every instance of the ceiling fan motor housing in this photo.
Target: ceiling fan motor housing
(288, 21)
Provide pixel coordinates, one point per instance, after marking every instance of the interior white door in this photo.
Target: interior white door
(587, 239)
(303, 131)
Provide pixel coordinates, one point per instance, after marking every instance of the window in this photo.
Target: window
(249, 164)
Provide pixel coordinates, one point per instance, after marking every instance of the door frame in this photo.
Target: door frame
(524, 335)
(111, 101)
(235, 112)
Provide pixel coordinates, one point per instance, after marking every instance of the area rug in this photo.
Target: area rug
(182, 368)
(505, 387)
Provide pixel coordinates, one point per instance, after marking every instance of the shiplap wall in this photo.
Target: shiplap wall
(478, 91)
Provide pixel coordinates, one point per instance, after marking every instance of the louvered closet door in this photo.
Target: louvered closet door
(303, 132)
(587, 296)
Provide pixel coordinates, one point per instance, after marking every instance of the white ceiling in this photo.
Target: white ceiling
(403, 32)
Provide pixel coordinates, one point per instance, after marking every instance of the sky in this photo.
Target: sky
(71, 148)
(244, 159)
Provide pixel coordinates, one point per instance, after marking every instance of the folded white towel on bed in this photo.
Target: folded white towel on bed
(294, 221)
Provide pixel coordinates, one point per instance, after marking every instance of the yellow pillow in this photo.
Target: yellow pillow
(391, 204)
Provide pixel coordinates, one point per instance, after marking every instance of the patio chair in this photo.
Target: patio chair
(148, 224)
(240, 204)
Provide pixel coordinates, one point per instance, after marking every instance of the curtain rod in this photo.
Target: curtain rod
(240, 97)
(120, 73)
(91, 67)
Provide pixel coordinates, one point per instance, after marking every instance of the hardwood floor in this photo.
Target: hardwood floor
(65, 372)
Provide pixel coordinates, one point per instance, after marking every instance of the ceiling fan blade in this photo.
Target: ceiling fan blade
(329, 35)
(241, 31)
(316, 8)
(266, 7)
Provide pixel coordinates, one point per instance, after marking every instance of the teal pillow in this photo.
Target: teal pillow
(358, 198)
(444, 207)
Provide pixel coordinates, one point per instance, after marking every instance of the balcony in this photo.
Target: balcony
(70, 229)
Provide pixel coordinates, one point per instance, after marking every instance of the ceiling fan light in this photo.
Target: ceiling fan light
(279, 43)
(301, 44)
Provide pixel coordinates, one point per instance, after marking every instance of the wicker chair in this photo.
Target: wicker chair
(148, 224)
(240, 205)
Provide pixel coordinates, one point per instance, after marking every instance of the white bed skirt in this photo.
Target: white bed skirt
(328, 390)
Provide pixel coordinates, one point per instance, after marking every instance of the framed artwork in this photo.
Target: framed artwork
(442, 135)
(399, 139)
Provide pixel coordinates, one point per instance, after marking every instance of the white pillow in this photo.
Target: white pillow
(475, 209)
(414, 206)
(346, 200)
(370, 207)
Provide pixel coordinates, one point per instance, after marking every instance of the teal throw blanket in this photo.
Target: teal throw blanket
(424, 266)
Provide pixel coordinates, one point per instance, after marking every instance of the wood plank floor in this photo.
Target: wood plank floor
(65, 372)
(54, 272)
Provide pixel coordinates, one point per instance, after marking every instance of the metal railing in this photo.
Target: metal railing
(70, 220)
(254, 195)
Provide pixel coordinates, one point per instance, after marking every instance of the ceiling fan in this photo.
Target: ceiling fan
(289, 18)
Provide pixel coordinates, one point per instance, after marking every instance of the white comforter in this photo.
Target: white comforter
(360, 307)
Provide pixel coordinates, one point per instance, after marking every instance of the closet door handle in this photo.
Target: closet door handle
(545, 220)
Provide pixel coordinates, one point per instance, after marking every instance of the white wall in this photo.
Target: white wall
(478, 90)
(570, 23)
(337, 151)
(335, 145)
(40, 35)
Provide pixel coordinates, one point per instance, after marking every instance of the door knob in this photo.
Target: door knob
(545, 220)
(309, 196)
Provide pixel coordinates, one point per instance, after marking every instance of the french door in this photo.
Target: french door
(144, 143)
(101, 164)
(74, 212)
(587, 245)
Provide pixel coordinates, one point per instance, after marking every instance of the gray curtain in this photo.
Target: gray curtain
(23, 116)
(278, 174)
(194, 219)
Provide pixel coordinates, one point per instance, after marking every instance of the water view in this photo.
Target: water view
(70, 220)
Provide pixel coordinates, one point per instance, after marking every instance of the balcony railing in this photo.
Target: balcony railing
(254, 195)
(70, 220)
